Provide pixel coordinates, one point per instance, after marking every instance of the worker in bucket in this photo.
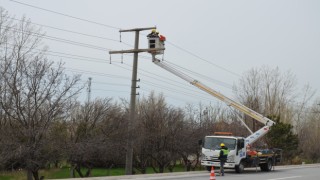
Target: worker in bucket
(153, 33)
(223, 157)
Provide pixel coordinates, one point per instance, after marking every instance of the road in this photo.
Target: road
(297, 172)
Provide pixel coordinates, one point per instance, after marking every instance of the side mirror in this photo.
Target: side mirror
(200, 142)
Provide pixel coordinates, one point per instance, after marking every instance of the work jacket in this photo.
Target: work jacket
(223, 154)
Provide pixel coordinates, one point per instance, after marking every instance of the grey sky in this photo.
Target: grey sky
(233, 35)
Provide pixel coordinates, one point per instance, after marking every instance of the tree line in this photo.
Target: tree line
(42, 122)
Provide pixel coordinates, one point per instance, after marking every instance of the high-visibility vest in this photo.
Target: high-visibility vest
(225, 152)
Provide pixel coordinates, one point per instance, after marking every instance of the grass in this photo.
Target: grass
(17, 175)
(60, 173)
(65, 173)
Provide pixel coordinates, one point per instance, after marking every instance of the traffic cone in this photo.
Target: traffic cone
(212, 175)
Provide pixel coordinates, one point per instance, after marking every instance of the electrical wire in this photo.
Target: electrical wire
(169, 96)
(62, 40)
(109, 26)
(173, 90)
(155, 78)
(71, 56)
(194, 55)
(66, 15)
(96, 47)
(229, 86)
(155, 85)
(173, 84)
(96, 73)
(104, 83)
(107, 90)
(75, 32)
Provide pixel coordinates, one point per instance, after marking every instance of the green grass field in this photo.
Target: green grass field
(64, 172)
(59, 173)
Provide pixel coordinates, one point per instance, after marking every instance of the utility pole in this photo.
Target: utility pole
(318, 129)
(131, 120)
(89, 89)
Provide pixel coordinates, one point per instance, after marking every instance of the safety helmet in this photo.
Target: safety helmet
(153, 30)
(221, 144)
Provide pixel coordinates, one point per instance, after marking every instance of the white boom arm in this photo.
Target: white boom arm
(254, 136)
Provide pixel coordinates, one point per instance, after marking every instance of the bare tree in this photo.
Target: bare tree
(310, 133)
(300, 110)
(95, 129)
(191, 133)
(267, 91)
(34, 94)
(162, 126)
(273, 94)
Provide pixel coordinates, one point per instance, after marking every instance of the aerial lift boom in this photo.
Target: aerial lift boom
(254, 136)
(238, 157)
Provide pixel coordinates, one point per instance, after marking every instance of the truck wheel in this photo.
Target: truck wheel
(267, 166)
(240, 167)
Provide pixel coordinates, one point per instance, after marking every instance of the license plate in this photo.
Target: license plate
(215, 163)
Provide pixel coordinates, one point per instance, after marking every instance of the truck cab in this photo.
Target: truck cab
(211, 150)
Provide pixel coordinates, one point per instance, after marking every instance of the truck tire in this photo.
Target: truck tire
(267, 166)
(240, 168)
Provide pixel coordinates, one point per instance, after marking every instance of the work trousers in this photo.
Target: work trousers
(222, 168)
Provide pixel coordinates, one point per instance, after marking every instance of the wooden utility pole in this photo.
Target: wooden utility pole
(89, 90)
(132, 110)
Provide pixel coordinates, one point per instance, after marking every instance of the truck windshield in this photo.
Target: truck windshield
(214, 143)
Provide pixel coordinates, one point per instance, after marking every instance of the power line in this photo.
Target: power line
(66, 15)
(108, 90)
(166, 82)
(173, 84)
(104, 61)
(229, 86)
(156, 75)
(62, 40)
(174, 90)
(109, 84)
(88, 45)
(154, 78)
(71, 56)
(157, 85)
(152, 84)
(221, 83)
(75, 32)
(194, 55)
(171, 97)
(96, 73)
(109, 26)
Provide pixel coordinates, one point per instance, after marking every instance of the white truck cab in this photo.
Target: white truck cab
(211, 149)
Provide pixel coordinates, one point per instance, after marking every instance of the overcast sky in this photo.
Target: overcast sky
(218, 39)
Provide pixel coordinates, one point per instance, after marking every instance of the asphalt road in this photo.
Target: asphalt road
(297, 172)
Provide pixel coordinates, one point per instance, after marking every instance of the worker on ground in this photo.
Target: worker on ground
(223, 157)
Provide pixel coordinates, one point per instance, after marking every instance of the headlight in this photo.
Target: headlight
(231, 158)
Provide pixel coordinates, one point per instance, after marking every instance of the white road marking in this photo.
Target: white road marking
(291, 177)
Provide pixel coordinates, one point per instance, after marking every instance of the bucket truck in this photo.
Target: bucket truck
(239, 155)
